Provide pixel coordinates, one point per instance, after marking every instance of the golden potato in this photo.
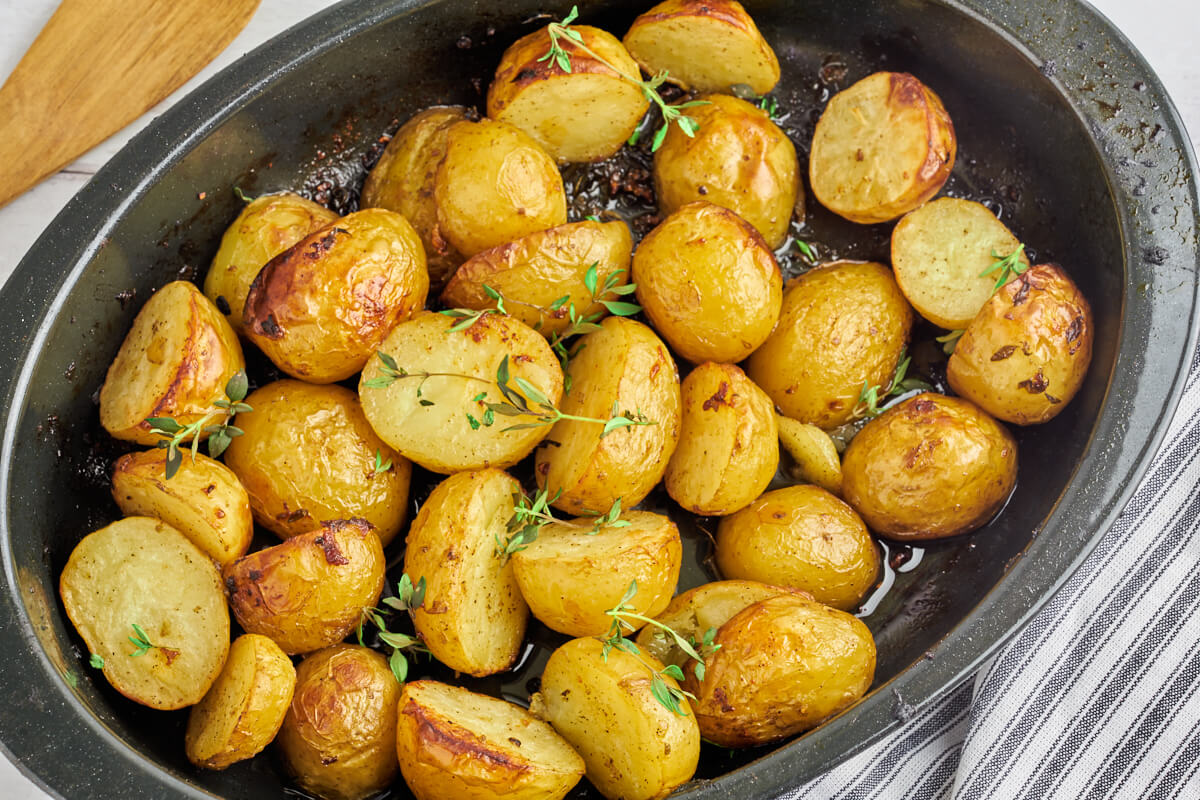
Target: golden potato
(728, 447)
(570, 576)
(403, 178)
(929, 467)
(473, 617)
(813, 452)
(443, 421)
(881, 148)
(785, 665)
(308, 455)
(495, 184)
(534, 273)
(309, 591)
(802, 537)
(703, 45)
(203, 500)
(843, 327)
(455, 743)
(242, 712)
(633, 746)
(175, 360)
(584, 114)
(267, 226)
(1026, 353)
(622, 366)
(739, 159)
(339, 736)
(943, 253)
(709, 283)
(139, 578)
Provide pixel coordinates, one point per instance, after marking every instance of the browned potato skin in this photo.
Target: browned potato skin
(535, 271)
(307, 455)
(1026, 353)
(403, 179)
(785, 664)
(320, 309)
(930, 467)
(175, 360)
(709, 283)
(266, 227)
(309, 591)
(339, 735)
(739, 159)
(842, 324)
(802, 537)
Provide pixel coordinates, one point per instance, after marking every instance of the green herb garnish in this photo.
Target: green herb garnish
(219, 434)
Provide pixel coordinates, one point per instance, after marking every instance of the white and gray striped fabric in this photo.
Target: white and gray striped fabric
(1099, 696)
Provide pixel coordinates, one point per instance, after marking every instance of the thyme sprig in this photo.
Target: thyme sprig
(220, 434)
(808, 251)
(871, 396)
(530, 515)
(141, 646)
(381, 465)
(1009, 267)
(469, 317)
(409, 597)
(764, 101)
(587, 323)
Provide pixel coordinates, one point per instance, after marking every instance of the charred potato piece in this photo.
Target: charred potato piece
(309, 591)
(535, 272)
(728, 447)
(842, 328)
(140, 571)
(703, 45)
(584, 114)
(739, 159)
(709, 283)
(175, 360)
(930, 467)
(455, 743)
(813, 452)
(1026, 353)
(881, 148)
(308, 455)
(443, 423)
(473, 616)
(320, 309)
(571, 574)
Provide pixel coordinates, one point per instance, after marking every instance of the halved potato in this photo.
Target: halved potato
(814, 453)
(585, 114)
(881, 148)
(140, 571)
(455, 743)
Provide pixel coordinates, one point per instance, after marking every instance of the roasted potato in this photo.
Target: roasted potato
(583, 114)
(535, 272)
(308, 455)
(267, 226)
(320, 309)
(141, 579)
(929, 467)
(634, 747)
(495, 184)
(309, 591)
(339, 736)
(703, 45)
(574, 572)
(622, 366)
(473, 616)
(785, 664)
(442, 421)
(739, 159)
(842, 329)
(403, 179)
(802, 537)
(709, 283)
(813, 453)
(454, 743)
(728, 447)
(242, 712)
(175, 360)
(1026, 353)
(881, 148)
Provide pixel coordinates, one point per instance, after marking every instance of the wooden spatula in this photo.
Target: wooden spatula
(97, 66)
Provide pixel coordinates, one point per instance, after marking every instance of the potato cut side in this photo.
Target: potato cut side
(140, 571)
(455, 743)
(814, 453)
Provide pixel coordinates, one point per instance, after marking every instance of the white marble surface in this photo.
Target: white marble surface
(1164, 31)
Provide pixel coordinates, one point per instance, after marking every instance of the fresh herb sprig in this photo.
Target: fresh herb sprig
(409, 598)
(1008, 267)
(142, 645)
(220, 434)
(871, 396)
(468, 317)
(530, 515)
(808, 251)
(381, 466)
(764, 101)
(587, 323)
